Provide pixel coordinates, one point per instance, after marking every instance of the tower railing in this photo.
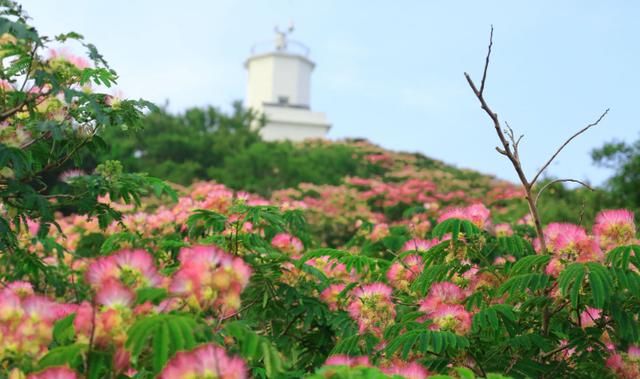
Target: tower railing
(285, 46)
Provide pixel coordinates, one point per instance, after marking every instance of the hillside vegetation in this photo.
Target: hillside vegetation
(229, 257)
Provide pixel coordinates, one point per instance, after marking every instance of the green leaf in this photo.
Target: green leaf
(465, 373)
(432, 274)
(600, 282)
(255, 348)
(101, 364)
(161, 344)
(515, 245)
(493, 317)
(426, 340)
(524, 283)
(63, 355)
(151, 294)
(571, 279)
(455, 226)
(63, 330)
(624, 256)
(159, 328)
(529, 264)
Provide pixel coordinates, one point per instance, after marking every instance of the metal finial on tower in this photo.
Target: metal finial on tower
(281, 38)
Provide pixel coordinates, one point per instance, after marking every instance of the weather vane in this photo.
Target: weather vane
(281, 39)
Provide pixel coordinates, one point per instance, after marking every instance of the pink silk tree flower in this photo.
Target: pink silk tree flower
(206, 361)
(443, 293)
(330, 296)
(451, 317)
(372, 308)
(345, 360)
(402, 273)
(288, 244)
(614, 228)
(410, 370)
(58, 372)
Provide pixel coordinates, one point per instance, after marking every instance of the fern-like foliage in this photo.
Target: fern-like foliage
(522, 284)
(361, 263)
(425, 340)
(528, 264)
(455, 227)
(624, 257)
(204, 222)
(257, 350)
(572, 280)
(493, 317)
(514, 245)
(159, 337)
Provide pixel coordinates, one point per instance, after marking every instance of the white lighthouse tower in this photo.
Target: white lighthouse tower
(279, 87)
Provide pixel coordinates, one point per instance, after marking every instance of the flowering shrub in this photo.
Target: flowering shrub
(401, 275)
(225, 281)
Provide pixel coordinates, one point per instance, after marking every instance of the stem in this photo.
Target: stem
(92, 336)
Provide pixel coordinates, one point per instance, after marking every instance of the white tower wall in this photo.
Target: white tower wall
(279, 86)
(260, 83)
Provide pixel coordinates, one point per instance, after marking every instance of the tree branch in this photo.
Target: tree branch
(506, 149)
(560, 181)
(510, 147)
(486, 63)
(544, 167)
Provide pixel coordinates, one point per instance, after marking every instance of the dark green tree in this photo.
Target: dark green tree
(181, 148)
(624, 159)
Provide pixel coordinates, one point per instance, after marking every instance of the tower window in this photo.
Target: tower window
(283, 100)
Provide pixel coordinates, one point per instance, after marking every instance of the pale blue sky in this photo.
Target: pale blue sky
(392, 71)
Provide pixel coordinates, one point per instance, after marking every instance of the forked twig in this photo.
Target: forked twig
(541, 190)
(510, 147)
(535, 178)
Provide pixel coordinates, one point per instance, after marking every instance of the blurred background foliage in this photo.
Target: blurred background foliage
(209, 144)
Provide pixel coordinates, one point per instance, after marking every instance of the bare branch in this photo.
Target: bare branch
(518, 140)
(26, 76)
(560, 181)
(506, 149)
(501, 151)
(544, 167)
(514, 142)
(486, 63)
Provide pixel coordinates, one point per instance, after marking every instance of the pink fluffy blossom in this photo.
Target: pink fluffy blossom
(113, 294)
(570, 242)
(345, 360)
(288, 244)
(634, 353)
(333, 269)
(379, 232)
(589, 316)
(135, 268)
(58, 372)
(206, 361)
(26, 321)
(623, 367)
(65, 55)
(402, 273)
(410, 370)
(476, 213)
(614, 228)
(554, 267)
(372, 308)
(210, 278)
(330, 295)
(444, 293)
(418, 244)
(503, 230)
(451, 317)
